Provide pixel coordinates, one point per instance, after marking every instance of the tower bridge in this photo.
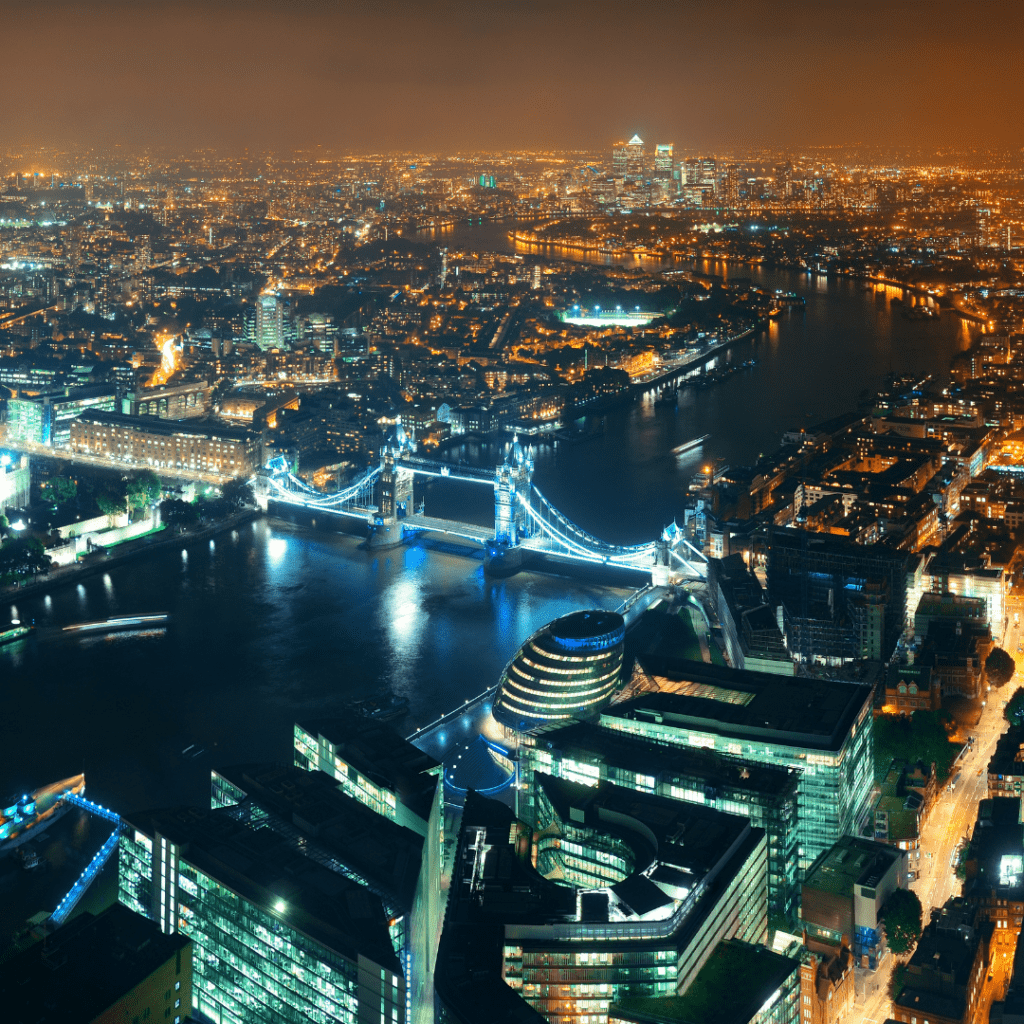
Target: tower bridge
(524, 520)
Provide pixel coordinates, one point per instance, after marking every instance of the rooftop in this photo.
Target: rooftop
(584, 740)
(265, 869)
(385, 853)
(586, 625)
(375, 750)
(714, 997)
(798, 711)
(995, 857)
(938, 974)
(851, 861)
(690, 837)
(84, 968)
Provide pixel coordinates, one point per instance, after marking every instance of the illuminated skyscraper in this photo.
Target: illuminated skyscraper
(700, 171)
(984, 225)
(143, 253)
(663, 159)
(269, 322)
(629, 159)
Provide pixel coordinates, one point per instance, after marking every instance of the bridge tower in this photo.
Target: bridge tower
(386, 486)
(385, 529)
(512, 477)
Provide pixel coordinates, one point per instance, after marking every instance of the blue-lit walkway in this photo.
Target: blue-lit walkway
(94, 867)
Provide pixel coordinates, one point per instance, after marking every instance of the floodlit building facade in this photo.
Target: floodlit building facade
(148, 441)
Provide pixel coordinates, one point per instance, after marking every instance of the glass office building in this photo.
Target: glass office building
(741, 983)
(568, 669)
(822, 729)
(47, 418)
(629, 896)
(377, 767)
(277, 938)
(768, 796)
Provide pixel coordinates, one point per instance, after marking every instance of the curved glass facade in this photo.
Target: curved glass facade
(568, 669)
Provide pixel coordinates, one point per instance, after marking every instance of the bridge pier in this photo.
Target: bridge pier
(261, 491)
(386, 534)
(502, 560)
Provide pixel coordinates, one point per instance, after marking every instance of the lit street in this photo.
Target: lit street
(949, 823)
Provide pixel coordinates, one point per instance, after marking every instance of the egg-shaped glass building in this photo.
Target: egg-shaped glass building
(568, 669)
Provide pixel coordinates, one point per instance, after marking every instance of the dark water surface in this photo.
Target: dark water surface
(270, 623)
(280, 621)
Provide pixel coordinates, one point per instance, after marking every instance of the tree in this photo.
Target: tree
(1014, 710)
(60, 490)
(898, 981)
(21, 557)
(142, 489)
(901, 917)
(238, 493)
(924, 736)
(175, 512)
(111, 503)
(999, 666)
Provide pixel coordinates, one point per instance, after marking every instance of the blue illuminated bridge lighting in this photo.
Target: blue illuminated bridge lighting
(95, 866)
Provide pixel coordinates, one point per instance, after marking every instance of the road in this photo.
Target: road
(950, 821)
(30, 448)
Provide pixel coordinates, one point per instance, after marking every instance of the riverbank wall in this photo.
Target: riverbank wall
(128, 551)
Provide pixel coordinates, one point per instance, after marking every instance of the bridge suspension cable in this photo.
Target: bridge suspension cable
(587, 547)
(571, 533)
(300, 493)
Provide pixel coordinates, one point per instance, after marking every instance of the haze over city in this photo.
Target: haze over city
(397, 76)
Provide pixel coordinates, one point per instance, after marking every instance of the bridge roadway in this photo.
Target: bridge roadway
(468, 531)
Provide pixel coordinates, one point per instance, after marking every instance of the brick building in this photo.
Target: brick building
(147, 441)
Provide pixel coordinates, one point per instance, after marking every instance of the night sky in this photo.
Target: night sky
(386, 76)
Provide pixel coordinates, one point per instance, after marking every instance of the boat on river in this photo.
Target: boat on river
(26, 815)
(119, 622)
(15, 631)
(690, 445)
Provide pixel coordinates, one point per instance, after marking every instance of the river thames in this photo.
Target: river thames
(280, 622)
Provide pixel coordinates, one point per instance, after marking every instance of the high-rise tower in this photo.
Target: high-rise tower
(269, 322)
(629, 160)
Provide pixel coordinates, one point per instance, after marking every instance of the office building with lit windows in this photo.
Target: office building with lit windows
(568, 669)
(47, 418)
(630, 895)
(269, 326)
(664, 160)
(391, 861)
(822, 729)
(276, 936)
(375, 766)
(768, 796)
(629, 159)
(740, 984)
(380, 770)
